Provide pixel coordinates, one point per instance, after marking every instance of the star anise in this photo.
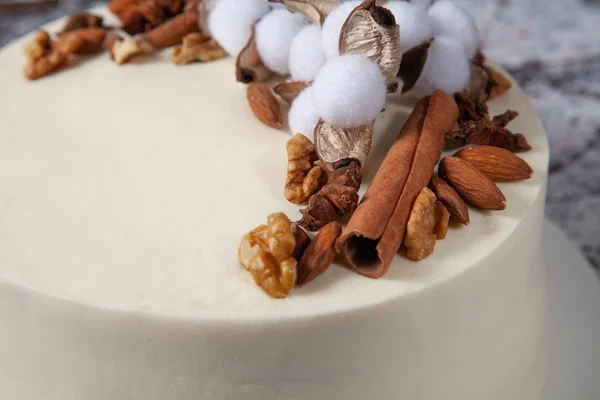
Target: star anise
(476, 127)
(337, 198)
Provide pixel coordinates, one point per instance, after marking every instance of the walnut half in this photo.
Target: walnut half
(428, 221)
(267, 252)
(303, 177)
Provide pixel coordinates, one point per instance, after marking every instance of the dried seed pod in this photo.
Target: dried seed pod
(249, 67)
(372, 32)
(311, 12)
(336, 146)
(314, 10)
(338, 198)
(412, 65)
(289, 90)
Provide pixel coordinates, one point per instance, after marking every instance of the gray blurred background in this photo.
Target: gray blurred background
(552, 48)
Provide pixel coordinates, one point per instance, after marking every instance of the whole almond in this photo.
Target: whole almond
(319, 255)
(473, 186)
(264, 105)
(497, 163)
(447, 195)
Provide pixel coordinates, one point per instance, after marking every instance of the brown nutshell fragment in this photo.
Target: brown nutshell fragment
(264, 105)
(196, 47)
(451, 199)
(473, 186)
(289, 90)
(123, 49)
(319, 255)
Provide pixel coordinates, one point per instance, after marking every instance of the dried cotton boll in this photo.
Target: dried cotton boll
(230, 22)
(332, 27)
(349, 91)
(303, 117)
(306, 54)
(447, 67)
(448, 19)
(414, 22)
(274, 35)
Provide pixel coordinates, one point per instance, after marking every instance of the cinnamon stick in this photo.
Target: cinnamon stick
(376, 230)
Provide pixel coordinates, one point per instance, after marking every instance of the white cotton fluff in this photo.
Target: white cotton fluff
(274, 35)
(230, 22)
(414, 22)
(447, 67)
(332, 27)
(303, 117)
(420, 3)
(306, 54)
(349, 91)
(449, 19)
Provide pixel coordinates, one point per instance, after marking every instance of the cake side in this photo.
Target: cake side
(478, 335)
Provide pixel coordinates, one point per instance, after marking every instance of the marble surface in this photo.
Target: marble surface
(552, 48)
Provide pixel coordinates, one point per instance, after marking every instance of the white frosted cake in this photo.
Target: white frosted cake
(124, 193)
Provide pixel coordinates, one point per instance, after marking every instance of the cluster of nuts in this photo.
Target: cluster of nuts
(146, 26)
(280, 255)
(82, 34)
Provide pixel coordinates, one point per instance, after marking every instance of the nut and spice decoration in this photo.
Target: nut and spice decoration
(407, 205)
(414, 195)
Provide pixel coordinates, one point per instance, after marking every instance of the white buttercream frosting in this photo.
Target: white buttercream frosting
(124, 192)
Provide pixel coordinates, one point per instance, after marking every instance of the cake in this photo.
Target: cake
(124, 195)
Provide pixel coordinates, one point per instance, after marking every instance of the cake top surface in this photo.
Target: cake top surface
(129, 189)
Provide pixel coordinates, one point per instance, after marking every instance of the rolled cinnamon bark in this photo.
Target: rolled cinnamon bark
(376, 230)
